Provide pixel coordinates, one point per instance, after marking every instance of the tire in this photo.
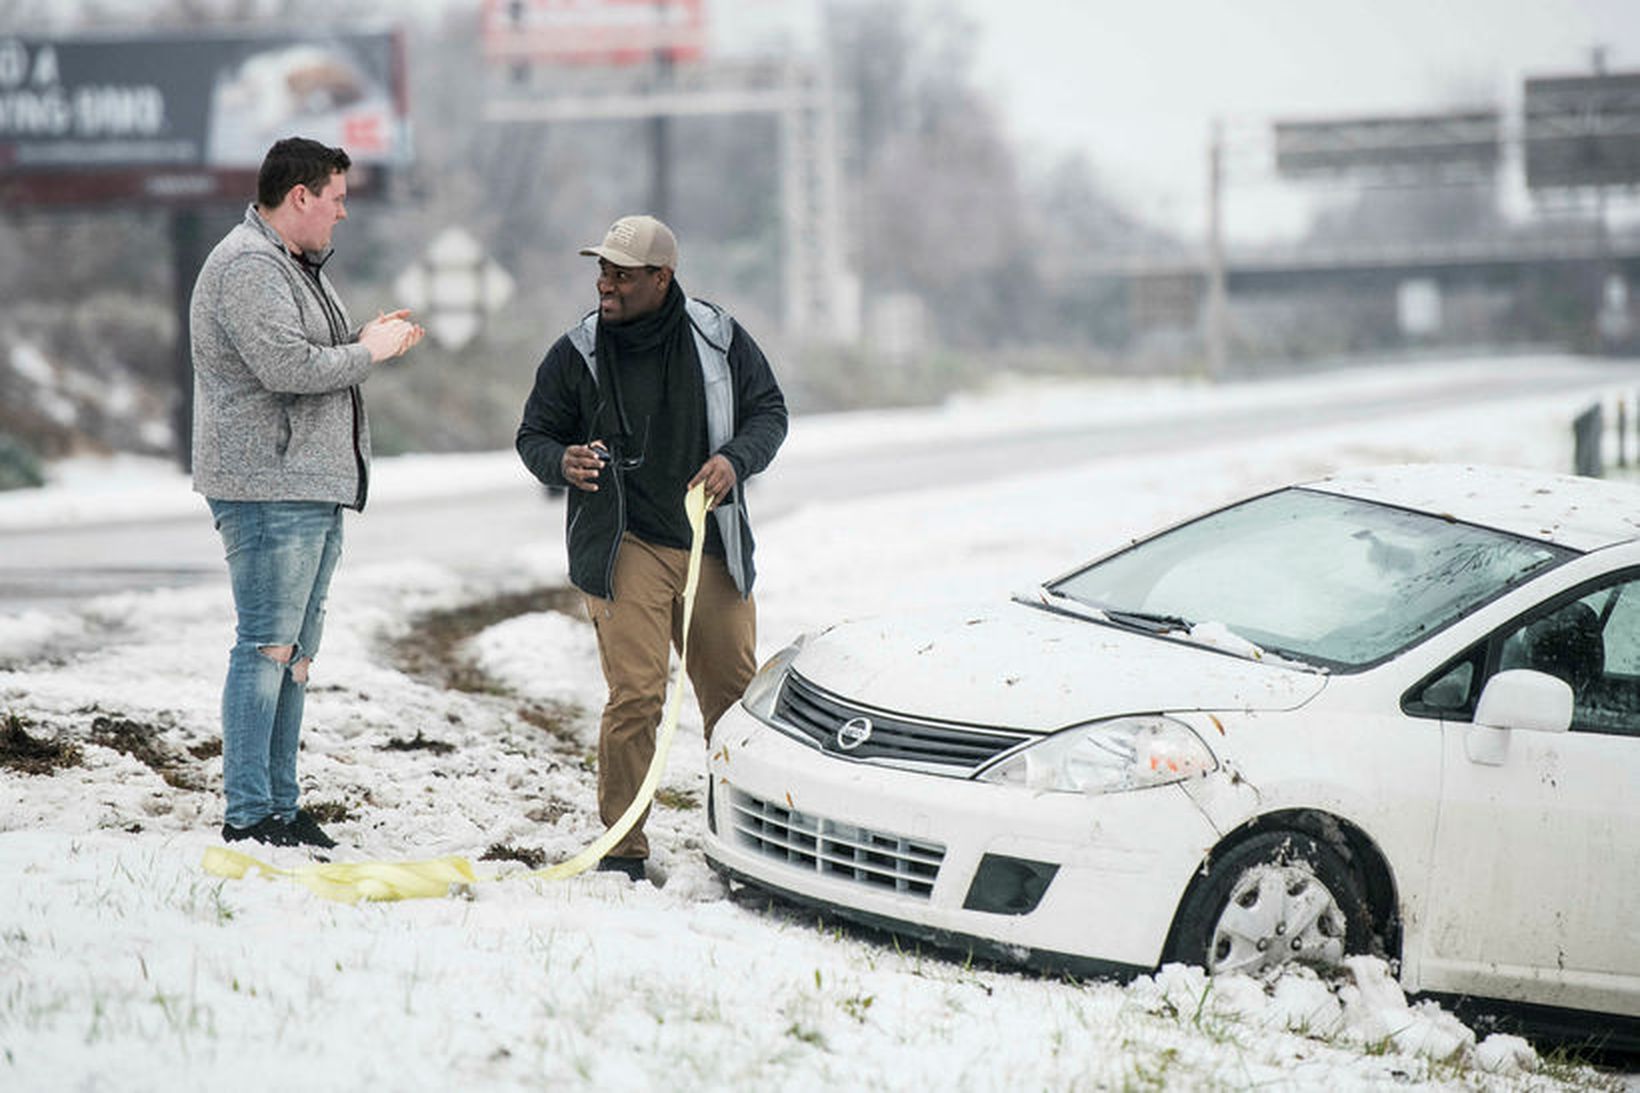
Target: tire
(1280, 897)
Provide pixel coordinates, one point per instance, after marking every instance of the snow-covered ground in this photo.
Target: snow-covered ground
(124, 966)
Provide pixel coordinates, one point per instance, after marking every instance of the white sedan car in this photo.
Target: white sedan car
(1391, 712)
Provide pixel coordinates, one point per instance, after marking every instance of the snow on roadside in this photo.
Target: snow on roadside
(124, 964)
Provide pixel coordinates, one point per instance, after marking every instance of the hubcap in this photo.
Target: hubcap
(1277, 914)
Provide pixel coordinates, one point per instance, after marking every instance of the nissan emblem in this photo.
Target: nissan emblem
(853, 732)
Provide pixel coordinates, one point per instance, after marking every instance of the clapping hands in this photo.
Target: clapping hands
(390, 334)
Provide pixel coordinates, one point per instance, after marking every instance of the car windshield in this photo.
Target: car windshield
(1314, 576)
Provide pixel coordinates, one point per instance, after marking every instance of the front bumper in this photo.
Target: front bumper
(901, 850)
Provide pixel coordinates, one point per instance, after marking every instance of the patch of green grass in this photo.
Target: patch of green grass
(19, 466)
(857, 1005)
(678, 800)
(1577, 1067)
(1150, 1067)
(804, 1034)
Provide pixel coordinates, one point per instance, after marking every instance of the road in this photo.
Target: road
(56, 567)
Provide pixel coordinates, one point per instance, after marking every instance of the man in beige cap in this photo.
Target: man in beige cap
(643, 398)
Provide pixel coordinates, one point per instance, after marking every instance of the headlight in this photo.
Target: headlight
(1106, 757)
(764, 689)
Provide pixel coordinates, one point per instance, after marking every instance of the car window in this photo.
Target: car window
(1315, 576)
(1622, 632)
(1450, 690)
(1591, 643)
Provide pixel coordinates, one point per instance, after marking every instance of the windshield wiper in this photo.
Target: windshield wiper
(1047, 599)
(1149, 622)
(1211, 635)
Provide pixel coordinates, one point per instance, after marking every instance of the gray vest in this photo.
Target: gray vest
(714, 329)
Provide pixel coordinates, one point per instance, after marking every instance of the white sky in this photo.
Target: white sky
(1136, 83)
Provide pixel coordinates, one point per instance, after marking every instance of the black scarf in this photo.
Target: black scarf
(664, 331)
(658, 402)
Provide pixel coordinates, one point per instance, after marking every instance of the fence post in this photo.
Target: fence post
(1622, 432)
(1586, 430)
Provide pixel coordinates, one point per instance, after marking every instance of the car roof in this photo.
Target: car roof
(1571, 511)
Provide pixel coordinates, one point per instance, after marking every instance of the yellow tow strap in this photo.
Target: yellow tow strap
(349, 882)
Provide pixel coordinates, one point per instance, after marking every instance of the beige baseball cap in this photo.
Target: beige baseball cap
(637, 241)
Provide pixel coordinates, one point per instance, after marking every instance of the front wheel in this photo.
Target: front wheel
(1280, 897)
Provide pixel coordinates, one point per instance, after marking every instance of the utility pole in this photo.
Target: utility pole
(821, 297)
(1216, 301)
(821, 294)
(1610, 295)
(660, 149)
(189, 250)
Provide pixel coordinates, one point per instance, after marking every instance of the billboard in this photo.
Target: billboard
(1582, 131)
(606, 32)
(187, 119)
(1461, 145)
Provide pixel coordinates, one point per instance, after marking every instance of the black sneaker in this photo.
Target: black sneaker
(270, 830)
(306, 830)
(632, 867)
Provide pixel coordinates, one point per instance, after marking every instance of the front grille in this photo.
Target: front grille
(816, 715)
(871, 858)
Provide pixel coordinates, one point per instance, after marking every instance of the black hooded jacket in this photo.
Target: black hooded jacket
(569, 404)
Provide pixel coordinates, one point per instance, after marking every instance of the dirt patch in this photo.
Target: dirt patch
(527, 855)
(420, 743)
(429, 650)
(557, 720)
(206, 749)
(28, 754)
(141, 743)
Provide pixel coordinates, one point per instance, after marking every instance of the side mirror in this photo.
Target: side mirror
(1517, 699)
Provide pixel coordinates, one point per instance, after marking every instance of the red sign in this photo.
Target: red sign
(364, 134)
(608, 32)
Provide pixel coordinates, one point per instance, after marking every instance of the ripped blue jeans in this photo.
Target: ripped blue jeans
(281, 555)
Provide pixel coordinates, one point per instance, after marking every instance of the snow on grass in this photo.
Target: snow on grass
(124, 966)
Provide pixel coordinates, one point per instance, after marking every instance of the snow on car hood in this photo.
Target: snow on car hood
(1016, 666)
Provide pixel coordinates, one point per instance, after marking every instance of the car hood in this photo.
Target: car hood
(1016, 666)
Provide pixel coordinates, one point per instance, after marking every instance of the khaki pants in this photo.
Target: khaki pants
(637, 631)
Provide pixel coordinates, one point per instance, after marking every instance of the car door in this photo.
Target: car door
(1535, 888)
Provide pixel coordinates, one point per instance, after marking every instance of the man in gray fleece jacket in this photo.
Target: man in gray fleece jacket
(281, 446)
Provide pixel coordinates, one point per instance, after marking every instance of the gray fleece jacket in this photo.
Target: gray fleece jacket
(278, 415)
